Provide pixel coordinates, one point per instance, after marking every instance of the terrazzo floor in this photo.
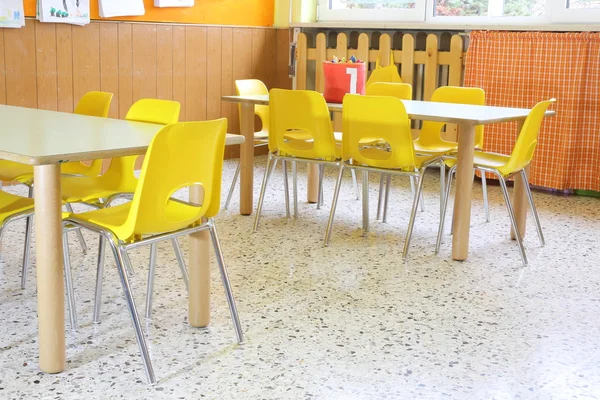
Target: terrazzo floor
(350, 321)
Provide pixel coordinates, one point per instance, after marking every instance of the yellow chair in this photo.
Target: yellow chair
(363, 115)
(95, 104)
(403, 91)
(505, 167)
(430, 139)
(309, 119)
(173, 162)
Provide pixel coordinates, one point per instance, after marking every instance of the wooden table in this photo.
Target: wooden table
(466, 116)
(45, 139)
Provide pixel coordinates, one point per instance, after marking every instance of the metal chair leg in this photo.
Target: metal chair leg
(181, 263)
(150, 287)
(26, 252)
(444, 210)
(226, 284)
(380, 199)
(320, 189)
(513, 220)
(78, 231)
(286, 188)
(232, 187)
(139, 334)
(263, 189)
(99, 278)
(365, 202)
(336, 195)
(355, 183)
(412, 192)
(69, 284)
(442, 184)
(533, 208)
(295, 187)
(486, 205)
(386, 201)
(413, 215)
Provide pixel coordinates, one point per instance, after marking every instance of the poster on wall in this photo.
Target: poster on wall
(173, 3)
(12, 14)
(75, 12)
(121, 8)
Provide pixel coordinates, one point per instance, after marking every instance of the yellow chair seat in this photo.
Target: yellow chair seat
(10, 170)
(11, 205)
(487, 160)
(376, 154)
(442, 147)
(88, 190)
(114, 218)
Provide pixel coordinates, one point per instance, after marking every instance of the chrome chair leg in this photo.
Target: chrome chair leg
(295, 188)
(69, 284)
(26, 252)
(263, 189)
(99, 278)
(355, 183)
(442, 184)
(532, 206)
(181, 263)
(412, 192)
(513, 220)
(232, 187)
(320, 188)
(286, 189)
(226, 284)
(386, 199)
(365, 202)
(150, 287)
(336, 194)
(78, 231)
(139, 334)
(413, 215)
(380, 199)
(486, 205)
(444, 210)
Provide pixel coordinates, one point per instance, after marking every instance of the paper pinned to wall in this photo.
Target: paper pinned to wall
(76, 12)
(173, 3)
(12, 14)
(121, 8)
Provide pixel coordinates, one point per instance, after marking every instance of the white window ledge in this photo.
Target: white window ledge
(448, 27)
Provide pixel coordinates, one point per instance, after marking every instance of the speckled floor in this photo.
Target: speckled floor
(350, 321)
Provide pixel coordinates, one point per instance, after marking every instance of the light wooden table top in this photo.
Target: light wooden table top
(39, 137)
(431, 111)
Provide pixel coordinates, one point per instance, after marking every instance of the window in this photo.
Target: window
(462, 12)
(371, 10)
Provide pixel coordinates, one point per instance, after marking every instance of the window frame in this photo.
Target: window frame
(556, 12)
(416, 14)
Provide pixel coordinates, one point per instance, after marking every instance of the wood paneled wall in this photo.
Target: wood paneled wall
(50, 66)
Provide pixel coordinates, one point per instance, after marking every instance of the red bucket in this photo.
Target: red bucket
(342, 78)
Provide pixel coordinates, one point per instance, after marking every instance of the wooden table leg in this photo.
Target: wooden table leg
(49, 256)
(312, 192)
(520, 204)
(464, 189)
(247, 158)
(199, 270)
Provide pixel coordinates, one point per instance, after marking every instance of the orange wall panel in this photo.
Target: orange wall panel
(216, 12)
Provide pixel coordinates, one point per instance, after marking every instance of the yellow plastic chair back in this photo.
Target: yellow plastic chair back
(403, 91)
(154, 111)
(173, 163)
(363, 115)
(94, 104)
(526, 142)
(249, 87)
(430, 136)
(120, 175)
(302, 112)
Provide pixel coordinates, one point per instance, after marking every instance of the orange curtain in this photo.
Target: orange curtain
(518, 69)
